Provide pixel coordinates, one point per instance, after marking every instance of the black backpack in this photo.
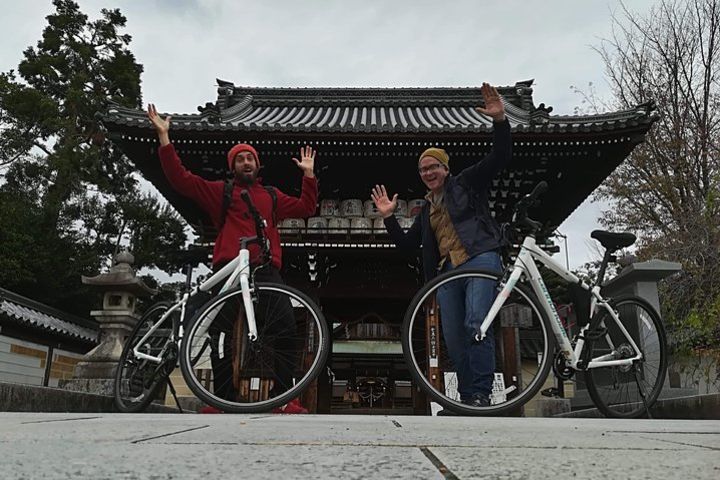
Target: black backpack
(227, 201)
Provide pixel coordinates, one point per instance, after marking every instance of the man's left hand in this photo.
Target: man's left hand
(307, 161)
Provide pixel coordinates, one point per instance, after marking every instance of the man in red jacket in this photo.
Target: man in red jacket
(244, 162)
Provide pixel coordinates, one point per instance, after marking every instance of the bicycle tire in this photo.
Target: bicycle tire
(531, 330)
(137, 381)
(288, 356)
(614, 390)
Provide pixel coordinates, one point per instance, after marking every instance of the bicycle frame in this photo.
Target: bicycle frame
(525, 266)
(237, 272)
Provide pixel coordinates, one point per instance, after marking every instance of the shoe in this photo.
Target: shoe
(292, 407)
(446, 413)
(209, 409)
(478, 400)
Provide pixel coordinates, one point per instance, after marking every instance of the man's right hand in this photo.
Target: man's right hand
(385, 206)
(494, 107)
(162, 126)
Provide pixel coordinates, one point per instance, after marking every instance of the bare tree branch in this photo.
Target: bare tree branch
(668, 190)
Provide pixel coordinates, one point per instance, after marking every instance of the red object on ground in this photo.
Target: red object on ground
(293, 406)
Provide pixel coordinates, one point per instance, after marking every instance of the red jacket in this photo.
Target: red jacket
(238, 223)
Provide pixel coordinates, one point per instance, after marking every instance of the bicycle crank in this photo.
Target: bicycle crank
(560, 367)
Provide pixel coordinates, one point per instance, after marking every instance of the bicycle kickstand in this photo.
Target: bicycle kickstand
(643, 393)
(174, 394)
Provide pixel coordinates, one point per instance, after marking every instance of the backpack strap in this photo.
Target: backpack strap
(273, 196)
(226, 201)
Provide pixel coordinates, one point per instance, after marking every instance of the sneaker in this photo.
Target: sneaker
(293, 406)
(446, 413)
(478, 400)
(209, 409)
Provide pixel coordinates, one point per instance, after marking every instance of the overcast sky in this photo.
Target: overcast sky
(185, 44)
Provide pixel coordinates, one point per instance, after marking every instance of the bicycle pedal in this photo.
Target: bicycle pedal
(551, 392)
(596, 334)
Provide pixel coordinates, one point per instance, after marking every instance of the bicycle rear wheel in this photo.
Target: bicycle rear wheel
(240, 375)
(617, 391)
(138, 380)
(523, 347)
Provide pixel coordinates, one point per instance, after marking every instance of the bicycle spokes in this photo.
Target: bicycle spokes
(240, 373)
(628, 390)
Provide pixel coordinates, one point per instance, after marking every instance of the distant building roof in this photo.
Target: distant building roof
(379, 133)
(30, 313)
(381, 110)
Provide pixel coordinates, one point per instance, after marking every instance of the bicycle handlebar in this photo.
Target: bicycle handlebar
(520, 218)
(530, 199)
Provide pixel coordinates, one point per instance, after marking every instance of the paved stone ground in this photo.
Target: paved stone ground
(166, 446)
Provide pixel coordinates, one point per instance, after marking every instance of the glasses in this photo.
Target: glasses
(430, 168)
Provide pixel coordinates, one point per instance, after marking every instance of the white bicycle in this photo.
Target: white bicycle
(621, 349)
(253, 347)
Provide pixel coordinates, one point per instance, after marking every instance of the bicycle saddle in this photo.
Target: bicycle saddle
(613, 241)
(194, 255)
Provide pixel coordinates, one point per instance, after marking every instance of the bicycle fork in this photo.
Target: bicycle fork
(242, 270)
(500, 299)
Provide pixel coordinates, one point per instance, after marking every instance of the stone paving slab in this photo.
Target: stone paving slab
(165, 446)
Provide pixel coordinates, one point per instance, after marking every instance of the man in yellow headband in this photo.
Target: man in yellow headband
(457, 231)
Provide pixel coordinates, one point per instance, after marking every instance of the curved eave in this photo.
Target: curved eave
(36, 319)
(355, 121)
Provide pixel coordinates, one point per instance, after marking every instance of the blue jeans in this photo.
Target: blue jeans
(463, 306)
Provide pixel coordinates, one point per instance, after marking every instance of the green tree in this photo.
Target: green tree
(667, 191)
(69, 198)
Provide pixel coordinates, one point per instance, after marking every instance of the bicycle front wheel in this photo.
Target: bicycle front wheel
(240, 375)
(138, 380)
(513, 362)
(618, 391)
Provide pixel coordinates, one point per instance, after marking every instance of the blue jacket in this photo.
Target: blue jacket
(466, 197)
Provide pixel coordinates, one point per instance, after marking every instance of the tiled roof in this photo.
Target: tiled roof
(377, 110)
(28, 312)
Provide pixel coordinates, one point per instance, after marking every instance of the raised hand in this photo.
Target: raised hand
(385, 206)
(162, 126)
(307, 161)
(494, 107)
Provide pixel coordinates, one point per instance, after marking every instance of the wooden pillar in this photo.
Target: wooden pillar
(511, 318)
(324, 392)
(432, 342)
(432, 354)
(309, 397)
(421, 405)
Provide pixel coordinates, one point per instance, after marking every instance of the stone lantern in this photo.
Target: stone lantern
(95, 373)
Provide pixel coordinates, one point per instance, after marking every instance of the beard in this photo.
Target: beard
(246, 178)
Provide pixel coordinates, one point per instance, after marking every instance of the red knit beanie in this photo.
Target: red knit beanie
(241, 147)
